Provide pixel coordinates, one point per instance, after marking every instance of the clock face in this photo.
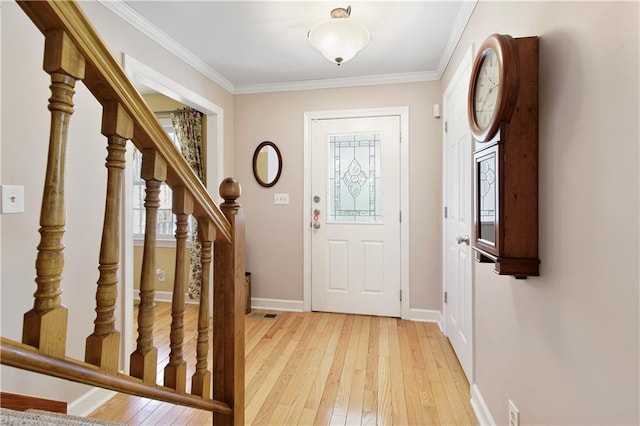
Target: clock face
(486, 89)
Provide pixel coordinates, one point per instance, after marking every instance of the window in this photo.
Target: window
(355, 189)
(166, 227)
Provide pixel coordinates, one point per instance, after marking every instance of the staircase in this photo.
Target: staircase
(74, 53)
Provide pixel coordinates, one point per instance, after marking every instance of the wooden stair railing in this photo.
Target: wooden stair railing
(74, 52)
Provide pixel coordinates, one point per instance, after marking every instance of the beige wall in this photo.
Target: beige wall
(564, 346)
(158, 102)
(275, 233)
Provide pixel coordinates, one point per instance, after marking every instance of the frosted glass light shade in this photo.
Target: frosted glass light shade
(339, 39)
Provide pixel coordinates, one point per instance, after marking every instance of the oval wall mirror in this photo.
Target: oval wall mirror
(267, 164)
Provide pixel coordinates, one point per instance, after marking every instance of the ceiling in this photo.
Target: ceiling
(258, 46)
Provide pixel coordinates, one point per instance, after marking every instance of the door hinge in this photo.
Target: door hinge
(401, 295)
(446, 211)
(445, 297)
(446, 126)
(400, 215)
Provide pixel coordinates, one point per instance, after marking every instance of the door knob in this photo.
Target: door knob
(316, 225)
(464, 239)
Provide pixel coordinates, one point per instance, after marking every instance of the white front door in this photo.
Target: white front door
(458, 218)
(355, 215)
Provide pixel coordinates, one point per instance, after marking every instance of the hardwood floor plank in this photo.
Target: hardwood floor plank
(265, 352)
(385, 410)
(187, 416)
(442, 404)
(424, 388)
(254, 381)
(341, 404)
(370, 402)
(141, 416)
(356, 398)
(260, 409)
(325, 408)
(417, 359)
(323, 368)
(307, 417)
(319, 383)
(407, 354)
(369, 407)
(398, 401)
(291, 361)
(158, 414)
(427, 354)
(300, 386)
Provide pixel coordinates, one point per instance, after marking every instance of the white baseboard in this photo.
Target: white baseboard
(90, 402)
(277, 304)
(166, 296)
(480, 408)
(426, 315)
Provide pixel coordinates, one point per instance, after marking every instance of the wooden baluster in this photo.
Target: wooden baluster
(45, 326)
(201, 380)
(145, 358)
(175, 373)
(228, 310)
(103, 346)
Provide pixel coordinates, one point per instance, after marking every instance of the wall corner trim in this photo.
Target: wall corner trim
(480, 408)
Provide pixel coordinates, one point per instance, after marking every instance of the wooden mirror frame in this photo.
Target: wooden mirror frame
(255, 164)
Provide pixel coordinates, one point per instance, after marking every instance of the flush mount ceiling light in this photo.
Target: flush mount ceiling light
(339, 38)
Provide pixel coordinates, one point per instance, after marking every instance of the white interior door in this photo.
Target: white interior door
(458, 218)
(355, 215)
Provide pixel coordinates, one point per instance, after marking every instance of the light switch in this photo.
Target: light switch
(281, 199)
(12, 199)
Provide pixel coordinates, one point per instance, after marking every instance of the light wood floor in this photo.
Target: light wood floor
(322, 368)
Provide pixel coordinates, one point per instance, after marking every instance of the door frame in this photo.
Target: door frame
(465, 64)
(309, 117)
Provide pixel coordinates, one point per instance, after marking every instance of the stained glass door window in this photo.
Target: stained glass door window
(487, 192)
(354, 184)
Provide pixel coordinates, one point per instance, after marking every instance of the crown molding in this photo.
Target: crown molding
(333, 83)
(127, 13)
(131, 16)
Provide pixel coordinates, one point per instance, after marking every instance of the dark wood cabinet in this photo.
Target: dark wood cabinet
(506, 177)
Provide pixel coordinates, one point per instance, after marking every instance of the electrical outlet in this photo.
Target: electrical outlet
(514, 414)
(280, 198)
(160, 274)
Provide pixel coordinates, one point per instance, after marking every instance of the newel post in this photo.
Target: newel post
(228, 309)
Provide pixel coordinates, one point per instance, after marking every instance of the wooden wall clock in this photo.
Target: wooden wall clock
(503, 118)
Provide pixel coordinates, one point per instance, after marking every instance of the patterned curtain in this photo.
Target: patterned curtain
(187, 124)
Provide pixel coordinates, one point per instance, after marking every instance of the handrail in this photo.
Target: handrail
(17, 355)
(107, 81)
